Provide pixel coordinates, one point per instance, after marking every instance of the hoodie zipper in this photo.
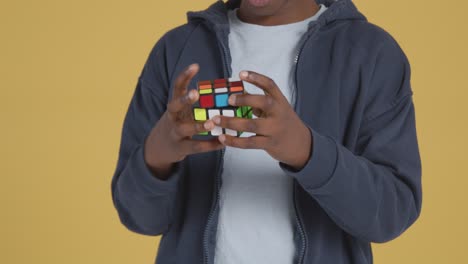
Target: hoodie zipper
(214, 206)
(310, 31)
(297, 215)
(217, 187)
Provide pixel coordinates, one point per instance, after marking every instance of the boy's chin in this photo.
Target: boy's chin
(258, 3)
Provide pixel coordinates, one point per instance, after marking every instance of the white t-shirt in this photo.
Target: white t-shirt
(256, 219)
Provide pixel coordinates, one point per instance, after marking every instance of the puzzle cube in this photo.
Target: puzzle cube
(214, 101)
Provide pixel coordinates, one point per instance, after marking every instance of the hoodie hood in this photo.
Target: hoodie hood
(216, 18)
(216, 14)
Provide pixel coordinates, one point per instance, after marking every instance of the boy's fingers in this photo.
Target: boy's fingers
(193, 146)
(257, 126)
(257, 112)
(191, 128)
(183, 79)
(178, 104)
(264, 102)
(263, 82)
(253, 142)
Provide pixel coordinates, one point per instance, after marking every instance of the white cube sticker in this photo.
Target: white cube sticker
(228, 112)
(221, 90)
(231, 132)
(217, 130)
(213, 112)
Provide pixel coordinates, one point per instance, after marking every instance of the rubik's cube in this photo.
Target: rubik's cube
(214, 101)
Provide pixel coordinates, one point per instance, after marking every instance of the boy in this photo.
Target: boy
(328, 164)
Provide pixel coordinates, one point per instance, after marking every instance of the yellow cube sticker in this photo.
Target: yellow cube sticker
(200, 114)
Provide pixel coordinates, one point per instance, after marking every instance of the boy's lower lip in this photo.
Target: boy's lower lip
(259, 3)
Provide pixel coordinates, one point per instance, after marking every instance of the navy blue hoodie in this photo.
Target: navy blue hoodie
(362, 183)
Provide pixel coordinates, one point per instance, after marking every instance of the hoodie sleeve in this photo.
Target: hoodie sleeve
(143, 202)
(374, 192)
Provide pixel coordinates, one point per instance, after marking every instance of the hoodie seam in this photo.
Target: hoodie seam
(394, 101)
(390, 107)
(145, 83)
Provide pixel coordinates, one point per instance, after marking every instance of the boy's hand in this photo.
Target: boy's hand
(170, 139)
(280, 132)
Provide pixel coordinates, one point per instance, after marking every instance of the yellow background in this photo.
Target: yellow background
(67, 73)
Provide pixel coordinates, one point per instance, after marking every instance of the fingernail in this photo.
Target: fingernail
(192, 94)
(190, 68)
(222, 138)
(216, 120)
(208, 125)
(232, 99)
(244, 74)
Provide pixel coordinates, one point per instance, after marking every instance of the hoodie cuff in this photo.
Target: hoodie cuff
(321, 164)
(144, 178)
